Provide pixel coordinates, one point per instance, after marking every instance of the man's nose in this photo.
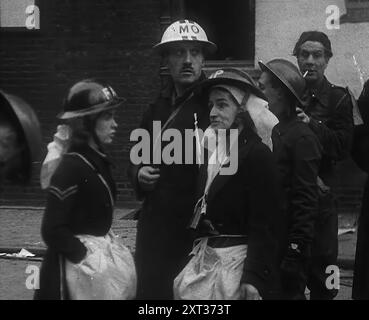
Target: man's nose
(310, 59)
(187, 57)
(114, 124)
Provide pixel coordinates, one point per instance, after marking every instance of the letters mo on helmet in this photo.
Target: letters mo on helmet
(185, 30)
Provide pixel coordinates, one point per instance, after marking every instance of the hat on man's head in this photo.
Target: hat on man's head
(185, 30)
(316, 36)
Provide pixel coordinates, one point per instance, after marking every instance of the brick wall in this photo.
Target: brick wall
(109, 39)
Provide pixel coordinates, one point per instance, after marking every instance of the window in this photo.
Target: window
(19, 15)
(357, 11)
(230, 24)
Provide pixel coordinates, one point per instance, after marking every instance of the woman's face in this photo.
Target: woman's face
(223, 109)
(106, 127)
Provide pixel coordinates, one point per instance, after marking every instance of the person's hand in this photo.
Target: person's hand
(147, 177)
(302, 115)
(249, 292)
(293, 267)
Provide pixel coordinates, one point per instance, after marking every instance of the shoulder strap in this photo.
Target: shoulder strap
(171, 118)
(97, 172)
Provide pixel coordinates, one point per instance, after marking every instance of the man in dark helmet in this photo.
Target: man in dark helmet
(163, 242)
(298, 154)
(20, 139)
(329, 114)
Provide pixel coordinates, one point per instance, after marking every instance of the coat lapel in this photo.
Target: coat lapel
(244, 146)
(203, 175)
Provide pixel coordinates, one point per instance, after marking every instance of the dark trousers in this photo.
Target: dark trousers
(324, 249)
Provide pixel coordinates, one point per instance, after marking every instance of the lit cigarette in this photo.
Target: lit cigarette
(305, 74)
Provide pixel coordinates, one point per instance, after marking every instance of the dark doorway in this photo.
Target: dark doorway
(230, 24)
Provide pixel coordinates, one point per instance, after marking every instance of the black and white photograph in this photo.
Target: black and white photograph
(184, 154)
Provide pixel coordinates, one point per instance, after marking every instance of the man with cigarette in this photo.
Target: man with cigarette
(163, 241)
(329, 115)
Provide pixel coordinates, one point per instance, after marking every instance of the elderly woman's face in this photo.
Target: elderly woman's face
(106, 127)
(223, 109)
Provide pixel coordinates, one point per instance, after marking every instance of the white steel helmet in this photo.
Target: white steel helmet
(185, 30)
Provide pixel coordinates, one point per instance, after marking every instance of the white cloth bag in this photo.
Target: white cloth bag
(107, 273)
(211, 274)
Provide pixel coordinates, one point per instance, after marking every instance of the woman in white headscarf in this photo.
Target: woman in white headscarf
(236, 217)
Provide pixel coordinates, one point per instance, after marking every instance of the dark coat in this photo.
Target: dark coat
(331, 119)
(298, 154)
(163, 241)
(248, 203)
(330, 111)
(80, 200)
(360, 153)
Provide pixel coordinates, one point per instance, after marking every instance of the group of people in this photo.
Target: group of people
(266, 231)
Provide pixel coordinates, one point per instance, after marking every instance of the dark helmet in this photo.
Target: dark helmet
(233, 77)
(287, 73)
(27, 120)
(88, 97)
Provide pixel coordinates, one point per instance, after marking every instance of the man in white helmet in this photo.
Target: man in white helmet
(163, 240)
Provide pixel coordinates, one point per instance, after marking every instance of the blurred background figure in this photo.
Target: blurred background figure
(20, 139)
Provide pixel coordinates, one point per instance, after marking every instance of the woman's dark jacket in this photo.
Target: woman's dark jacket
(80, 200)
(248, 203)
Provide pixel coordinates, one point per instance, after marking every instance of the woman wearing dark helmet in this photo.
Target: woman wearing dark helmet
(236, 216)
(82, 191)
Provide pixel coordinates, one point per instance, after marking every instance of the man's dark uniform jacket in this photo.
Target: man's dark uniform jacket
(163, 240)
(360, 153)
(78, 202)
(331, 119)
(330, 111)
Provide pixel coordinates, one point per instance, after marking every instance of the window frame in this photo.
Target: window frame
(172, 10)
(41, 5)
